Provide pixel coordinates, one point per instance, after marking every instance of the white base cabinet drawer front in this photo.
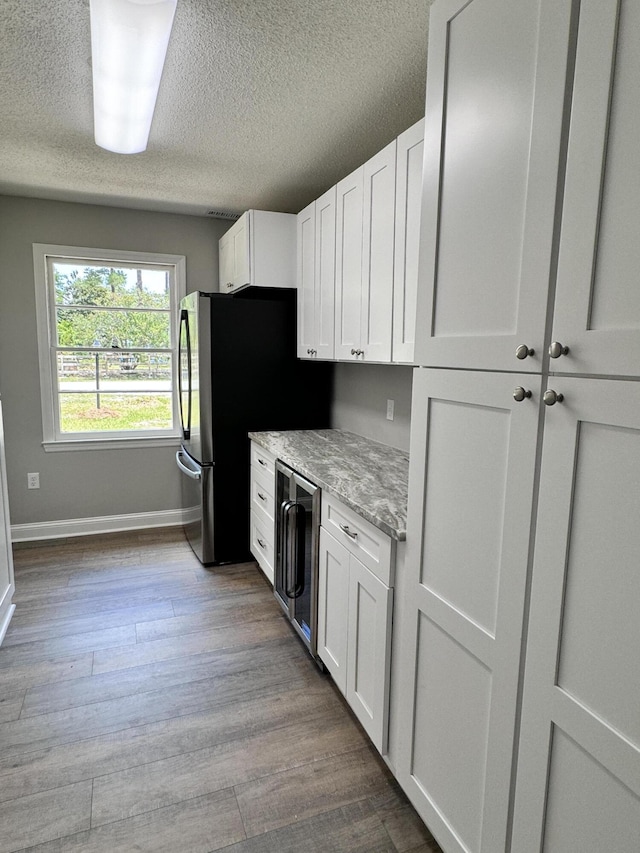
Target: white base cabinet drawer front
(354, 635)
(263, 460)
(262, 538)
(262, 494)
(365, 541)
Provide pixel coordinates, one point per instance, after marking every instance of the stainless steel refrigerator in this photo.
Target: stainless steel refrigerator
(238, 372)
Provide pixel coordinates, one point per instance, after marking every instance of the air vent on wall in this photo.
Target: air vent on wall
(223, 214)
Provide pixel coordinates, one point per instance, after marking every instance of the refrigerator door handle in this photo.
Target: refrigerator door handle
(184, 321)
(186, 469)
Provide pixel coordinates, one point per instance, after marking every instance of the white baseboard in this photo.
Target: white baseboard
(101, 524)
(4, 623)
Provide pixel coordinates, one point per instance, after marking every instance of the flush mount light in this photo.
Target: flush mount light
(129, 41)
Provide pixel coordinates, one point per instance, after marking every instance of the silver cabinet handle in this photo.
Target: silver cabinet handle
(262, 544)
(346, 530)
(262, 462)
(557, 349)
(523, 351)
(312, 352)
(519, 394)
(261, 496)
(357, 352)
(551, 398)
(229, 284)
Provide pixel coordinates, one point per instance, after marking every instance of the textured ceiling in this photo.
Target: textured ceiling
(263, 103)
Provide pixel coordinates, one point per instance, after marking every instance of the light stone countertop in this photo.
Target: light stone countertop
(368, 477)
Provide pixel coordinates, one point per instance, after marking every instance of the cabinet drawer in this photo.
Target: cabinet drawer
(262, 494)
(365, 541)
(262, 460)
(262, 545)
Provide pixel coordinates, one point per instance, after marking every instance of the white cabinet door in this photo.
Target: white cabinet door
(579, 762)
(316, 276)
(241, 235)
(7, 586)
(494, 115)
(333, 610)
(233, 256)
(377, 254)
(369, 651)
(409, 156)
(348, 317)
(225, 262)
(471, 478)
(305, 280)
(597, 310)
(325, 274)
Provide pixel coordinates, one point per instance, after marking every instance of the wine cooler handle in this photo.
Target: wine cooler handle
(294, 573)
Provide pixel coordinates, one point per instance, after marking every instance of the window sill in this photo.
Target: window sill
(110, 443)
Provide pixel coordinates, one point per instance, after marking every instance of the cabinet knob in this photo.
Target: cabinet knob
(519, 394)
(551, 398)
(523, 351)
(557, 349)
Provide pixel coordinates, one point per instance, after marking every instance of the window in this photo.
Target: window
(107, 342)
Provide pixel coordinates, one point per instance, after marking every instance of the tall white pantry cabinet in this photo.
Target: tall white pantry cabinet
(519, 658)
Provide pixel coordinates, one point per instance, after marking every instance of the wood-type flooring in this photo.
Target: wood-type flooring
(150, 704)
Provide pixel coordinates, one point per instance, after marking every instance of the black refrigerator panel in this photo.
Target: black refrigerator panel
(260, 388)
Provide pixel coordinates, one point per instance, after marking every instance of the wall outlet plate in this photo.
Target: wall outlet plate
(390, 406)
(33, 481)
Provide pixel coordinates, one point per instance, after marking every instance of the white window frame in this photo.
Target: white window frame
(53, 439)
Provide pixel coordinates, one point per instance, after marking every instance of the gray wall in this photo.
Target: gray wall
(360, 395)
(81, 484)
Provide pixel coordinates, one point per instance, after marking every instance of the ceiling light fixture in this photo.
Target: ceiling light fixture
(129, 41)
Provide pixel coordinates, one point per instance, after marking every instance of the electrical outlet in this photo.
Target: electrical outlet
(33, 481)
(390, 405)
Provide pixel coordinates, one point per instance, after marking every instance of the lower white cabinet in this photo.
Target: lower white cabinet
(262, 522)
(354, 632)
(578, 780)
(471, 480)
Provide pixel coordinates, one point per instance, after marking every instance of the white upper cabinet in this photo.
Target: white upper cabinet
(495, 98)
(348, 315)
(315, 277)
(305, 280)
(258, 249)
(377, 254)
(597, 309)
(325, 273)
(409, 156)
(364, 259)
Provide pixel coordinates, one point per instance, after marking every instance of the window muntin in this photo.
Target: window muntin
(111, 331)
